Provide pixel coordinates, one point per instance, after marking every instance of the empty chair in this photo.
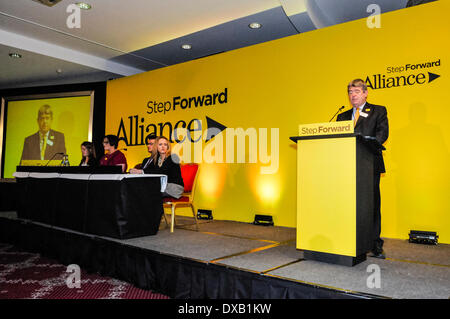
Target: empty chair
(189, 175)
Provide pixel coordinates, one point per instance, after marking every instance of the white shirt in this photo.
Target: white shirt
(360, 110)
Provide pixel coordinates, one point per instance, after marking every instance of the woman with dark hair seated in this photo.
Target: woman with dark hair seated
(88, 154)
(163, 162)
(113, 156)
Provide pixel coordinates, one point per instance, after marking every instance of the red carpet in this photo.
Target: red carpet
(31, 276)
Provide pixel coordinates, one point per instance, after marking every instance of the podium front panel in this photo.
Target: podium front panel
(326, 193)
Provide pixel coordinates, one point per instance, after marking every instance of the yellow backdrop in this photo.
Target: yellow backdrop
(302, 79)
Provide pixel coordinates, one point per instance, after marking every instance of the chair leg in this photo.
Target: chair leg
(165, 219)
(173, 218)
(195, 217)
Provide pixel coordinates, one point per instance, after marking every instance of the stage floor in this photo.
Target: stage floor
(409, 271)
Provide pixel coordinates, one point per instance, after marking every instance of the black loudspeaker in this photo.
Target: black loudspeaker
(423, 237)
(263, 220)
(204, 214)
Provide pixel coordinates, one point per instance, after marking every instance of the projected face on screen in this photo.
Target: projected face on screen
(45, 119)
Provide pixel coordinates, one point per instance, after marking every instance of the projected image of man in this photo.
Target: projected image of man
(46, 143)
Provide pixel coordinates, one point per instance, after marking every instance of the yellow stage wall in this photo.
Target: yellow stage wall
(302, 79)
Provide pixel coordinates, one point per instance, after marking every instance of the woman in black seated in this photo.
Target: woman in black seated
(163, 162)
(88, 154)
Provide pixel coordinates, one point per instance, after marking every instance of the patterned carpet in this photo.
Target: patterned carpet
(31, 276)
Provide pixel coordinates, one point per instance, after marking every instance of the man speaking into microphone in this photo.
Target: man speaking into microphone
(369, 120)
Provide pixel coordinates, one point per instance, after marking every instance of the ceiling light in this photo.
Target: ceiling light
(83, 5)
(186, 46)
(48, 3)
(254, 25)
(15, 55)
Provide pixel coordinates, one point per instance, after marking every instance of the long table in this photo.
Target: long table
(113, 205)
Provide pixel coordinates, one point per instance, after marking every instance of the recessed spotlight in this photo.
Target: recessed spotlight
(15, 55)
(83, 5)
(186, 46)
(254, 25)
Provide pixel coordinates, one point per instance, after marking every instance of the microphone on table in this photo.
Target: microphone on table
(60, 153)
(337, 113)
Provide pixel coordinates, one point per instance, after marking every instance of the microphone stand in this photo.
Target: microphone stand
(336, 113)
(53, 158)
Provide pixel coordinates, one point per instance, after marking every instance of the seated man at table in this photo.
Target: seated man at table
(150, 148)
(113, 156)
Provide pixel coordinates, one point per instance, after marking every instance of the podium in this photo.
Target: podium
(335, 193)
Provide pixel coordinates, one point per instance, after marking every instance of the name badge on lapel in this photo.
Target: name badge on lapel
(50, 142)
(363, 114)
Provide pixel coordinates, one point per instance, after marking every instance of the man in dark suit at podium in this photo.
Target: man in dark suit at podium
(369, 120)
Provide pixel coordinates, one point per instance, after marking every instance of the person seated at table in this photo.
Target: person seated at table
(139, 169)
(163, 162)
(113, 156)
(88, 154)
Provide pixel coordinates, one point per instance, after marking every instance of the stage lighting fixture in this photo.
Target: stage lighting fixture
(204, 214)
(263, 220)
(423, 237)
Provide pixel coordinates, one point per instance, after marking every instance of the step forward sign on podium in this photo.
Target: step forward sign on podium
(335, 169)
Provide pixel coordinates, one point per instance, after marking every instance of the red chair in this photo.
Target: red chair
(189, 175)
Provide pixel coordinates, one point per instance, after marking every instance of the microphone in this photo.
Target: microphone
(54, 157)
(337, 113)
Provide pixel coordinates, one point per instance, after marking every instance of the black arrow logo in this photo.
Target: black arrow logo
(214, 128)
(432, 76)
